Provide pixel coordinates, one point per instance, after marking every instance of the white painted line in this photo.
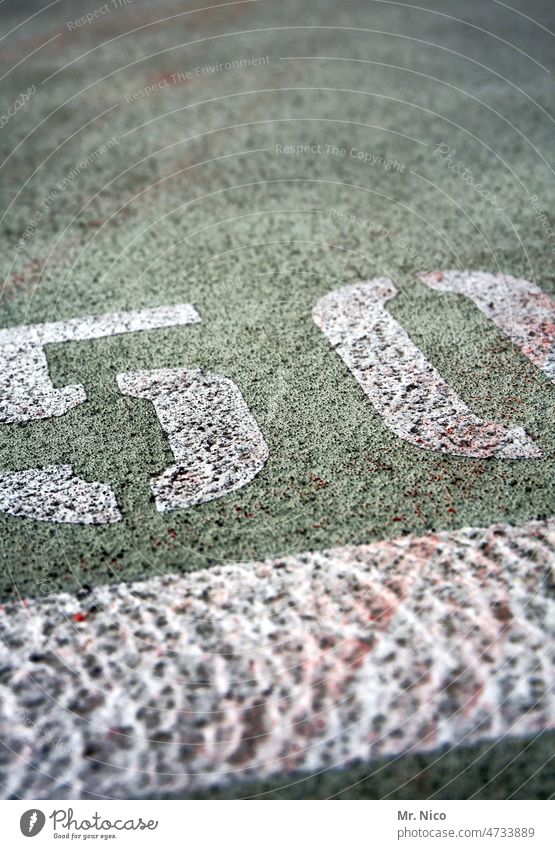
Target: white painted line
(245, 671)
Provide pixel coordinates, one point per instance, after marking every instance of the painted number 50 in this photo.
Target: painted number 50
(216, 442)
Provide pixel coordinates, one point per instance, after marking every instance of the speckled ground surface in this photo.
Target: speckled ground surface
(374, 140)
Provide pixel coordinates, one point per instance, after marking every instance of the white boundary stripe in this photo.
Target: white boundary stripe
(245, 671)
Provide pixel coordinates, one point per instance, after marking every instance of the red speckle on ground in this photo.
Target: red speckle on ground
(243, 510)
(398, 518)
(451, 510)
(79, 617)
(436, 276)
(172, 533)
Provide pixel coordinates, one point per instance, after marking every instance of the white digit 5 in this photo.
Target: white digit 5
(54, 493)
(215, 440)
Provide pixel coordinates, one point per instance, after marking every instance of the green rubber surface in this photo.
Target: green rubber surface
(195, 202)
(253, 240)
(515, 769)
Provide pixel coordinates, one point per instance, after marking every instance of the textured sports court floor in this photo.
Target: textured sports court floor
(277, 402)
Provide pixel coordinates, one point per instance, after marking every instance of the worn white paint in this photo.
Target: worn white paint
(517, 307)
(56, 494)
(215, 440)
(303, 662)
(26, 390)
(406, 390)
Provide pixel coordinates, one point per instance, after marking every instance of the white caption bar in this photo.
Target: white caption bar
(382, 824)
